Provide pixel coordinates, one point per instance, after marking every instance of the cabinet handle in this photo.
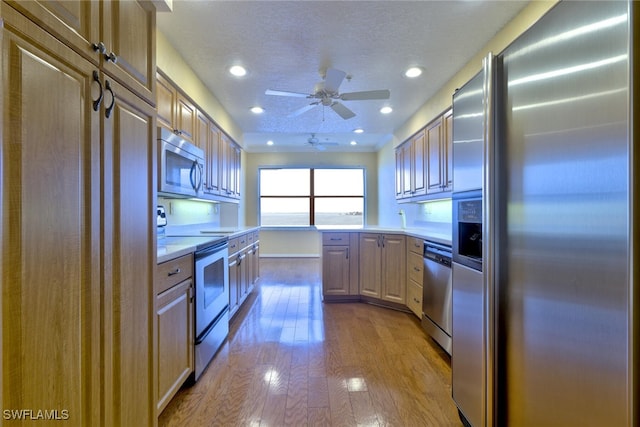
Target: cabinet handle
(99, 47)
(382, 238)
(335, 238)
(416, 269)
(97, 102)
(111, 57)
(347, 253)
(174, 272)
(109, 109)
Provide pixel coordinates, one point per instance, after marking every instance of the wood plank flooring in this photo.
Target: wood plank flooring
(292, 360)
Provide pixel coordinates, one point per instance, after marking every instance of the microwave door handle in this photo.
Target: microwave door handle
(192, 175)
(200, 176)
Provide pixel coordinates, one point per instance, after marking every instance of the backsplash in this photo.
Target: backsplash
(184, 211)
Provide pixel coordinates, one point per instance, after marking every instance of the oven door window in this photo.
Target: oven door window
(213, 282)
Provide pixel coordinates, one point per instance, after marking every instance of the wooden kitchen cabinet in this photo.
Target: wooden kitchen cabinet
(129, 150)
(340, 266)
(424, 162)
(243, 268)
(175, 333)
(178, 113)
(126, 29)
(78, 249)
(415, 272)
(382, 267)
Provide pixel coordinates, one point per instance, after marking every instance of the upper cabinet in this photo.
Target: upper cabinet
(222, 156)
(423, 162)
(118, 36)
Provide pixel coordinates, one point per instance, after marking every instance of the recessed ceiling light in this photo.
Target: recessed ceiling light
(413, 72)
(353, 143)
(358, 130)
(386, 110)
(269, 142)
(257, 110)
(238, 71)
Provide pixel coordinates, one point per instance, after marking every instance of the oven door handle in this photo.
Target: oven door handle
(208, 329)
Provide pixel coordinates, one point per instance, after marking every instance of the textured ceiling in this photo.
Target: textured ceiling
(287, 45)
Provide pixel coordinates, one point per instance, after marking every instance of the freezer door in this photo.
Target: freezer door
(468, 136)
(564, 294)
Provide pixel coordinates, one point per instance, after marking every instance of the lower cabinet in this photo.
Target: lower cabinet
(382, 267)
(340, 266)
(175, 340)
(244, 268)
(415, 271)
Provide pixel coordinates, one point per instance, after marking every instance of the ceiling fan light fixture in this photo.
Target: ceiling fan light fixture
(238, 71)
(257, 110)
(386, 110)
(413, 72)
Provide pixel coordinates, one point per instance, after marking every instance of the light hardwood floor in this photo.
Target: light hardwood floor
(292, 360)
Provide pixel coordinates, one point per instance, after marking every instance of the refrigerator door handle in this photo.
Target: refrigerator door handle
(488, 244)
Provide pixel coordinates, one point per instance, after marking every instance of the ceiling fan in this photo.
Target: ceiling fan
(326, 94)
(314, 142)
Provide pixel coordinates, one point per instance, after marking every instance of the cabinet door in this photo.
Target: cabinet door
(129, 143)
(175, 340)
(225, 165)
(166, 101)
(335, 270)
(185, 118)
(393, 268)
(129, 31)
(212, 160)
(447, 151)
(399, 153)
(370, 268)
(50, 174)
(406, 170)
(234, 284)
(434, 156)
(418, 156)
(77, 23)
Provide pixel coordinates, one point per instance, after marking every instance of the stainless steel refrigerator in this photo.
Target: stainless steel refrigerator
(545, 240)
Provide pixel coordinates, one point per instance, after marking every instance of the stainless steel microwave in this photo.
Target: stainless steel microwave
(180, 166)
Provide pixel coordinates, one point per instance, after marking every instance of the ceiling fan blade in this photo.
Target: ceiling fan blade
(285, 93)
(342, 111)
(333, 79)
(368, 94)
(319, 147)
(302, 110)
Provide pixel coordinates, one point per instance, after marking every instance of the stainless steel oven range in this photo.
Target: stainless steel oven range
(211, 301)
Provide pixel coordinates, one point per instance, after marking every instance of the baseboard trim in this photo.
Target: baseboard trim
(289, 255)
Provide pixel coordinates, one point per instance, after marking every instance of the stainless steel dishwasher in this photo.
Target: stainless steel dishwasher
(436, 293)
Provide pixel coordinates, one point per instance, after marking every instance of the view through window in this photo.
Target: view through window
(311, 196)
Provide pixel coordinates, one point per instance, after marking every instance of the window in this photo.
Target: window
(306, 196)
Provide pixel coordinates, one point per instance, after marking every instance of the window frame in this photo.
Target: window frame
(312, 196)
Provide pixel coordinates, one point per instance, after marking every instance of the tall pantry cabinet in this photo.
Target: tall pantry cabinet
(77, 256)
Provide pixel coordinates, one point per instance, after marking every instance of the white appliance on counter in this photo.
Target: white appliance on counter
(545, 268)
(180, 166)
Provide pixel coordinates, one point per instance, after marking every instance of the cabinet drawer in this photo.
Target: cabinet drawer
(332, 239)
(172, 272)
(234, 245)
(414, 298)
(243, 241)
(416, 245)
(256, 236)
(415, 267)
